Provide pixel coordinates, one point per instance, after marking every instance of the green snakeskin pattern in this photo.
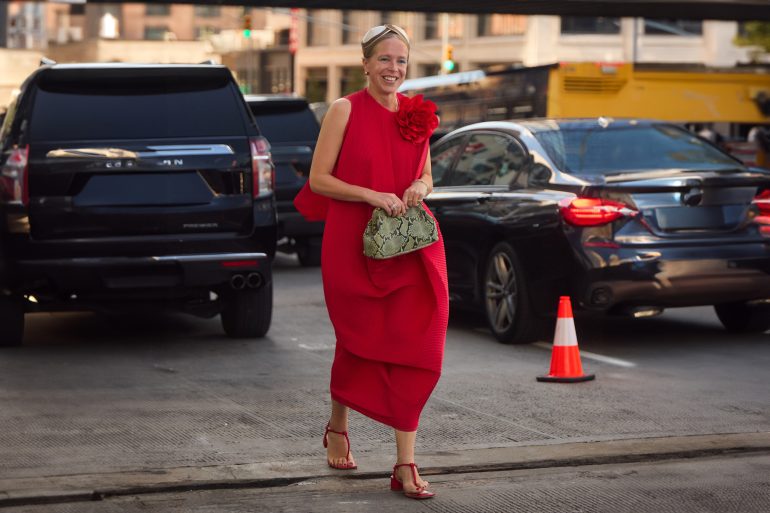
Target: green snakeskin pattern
(386, 237)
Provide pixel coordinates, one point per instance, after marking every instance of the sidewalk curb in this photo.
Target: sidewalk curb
(94, 487)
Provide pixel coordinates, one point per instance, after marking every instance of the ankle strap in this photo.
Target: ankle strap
(330, 430)
(413, 468)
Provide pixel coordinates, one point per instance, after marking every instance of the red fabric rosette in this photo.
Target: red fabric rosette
(416, 118)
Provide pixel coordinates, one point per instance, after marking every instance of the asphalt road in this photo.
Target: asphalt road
(159, 395)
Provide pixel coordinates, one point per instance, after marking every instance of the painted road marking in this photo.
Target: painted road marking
(593, 356)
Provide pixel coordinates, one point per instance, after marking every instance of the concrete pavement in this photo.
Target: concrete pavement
(93, 409)
(90, 487)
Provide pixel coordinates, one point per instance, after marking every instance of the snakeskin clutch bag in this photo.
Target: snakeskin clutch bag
(386, 237)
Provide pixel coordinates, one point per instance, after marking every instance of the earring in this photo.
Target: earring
(366, 73)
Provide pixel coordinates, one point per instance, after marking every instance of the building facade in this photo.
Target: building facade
(328, 61)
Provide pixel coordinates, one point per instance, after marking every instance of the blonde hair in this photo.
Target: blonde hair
(380, 33)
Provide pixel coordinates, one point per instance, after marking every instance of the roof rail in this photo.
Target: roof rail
(45, 61)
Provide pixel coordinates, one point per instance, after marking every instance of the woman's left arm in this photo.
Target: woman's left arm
(421, 187)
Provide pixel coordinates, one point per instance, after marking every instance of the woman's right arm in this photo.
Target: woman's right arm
(326, 152)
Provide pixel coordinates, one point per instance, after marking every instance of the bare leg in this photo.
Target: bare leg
(405, 441)
(338, 448)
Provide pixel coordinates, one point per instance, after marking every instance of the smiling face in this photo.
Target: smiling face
(387, 66)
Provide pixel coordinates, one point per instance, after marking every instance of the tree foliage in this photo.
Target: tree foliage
(756, 33)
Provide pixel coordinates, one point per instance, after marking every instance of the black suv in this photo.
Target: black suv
(292, 129)
(135, 187)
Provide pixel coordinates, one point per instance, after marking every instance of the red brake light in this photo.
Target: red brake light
(262, 170)
(593, 211)
(762, 201)
(240, 263)
(14, 179)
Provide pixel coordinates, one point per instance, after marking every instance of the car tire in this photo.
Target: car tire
(247, 313)
(309, 251)
(11, 321)
(506, 301)
(741, 317)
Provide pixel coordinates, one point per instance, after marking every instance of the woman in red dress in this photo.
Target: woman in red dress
(389, 316)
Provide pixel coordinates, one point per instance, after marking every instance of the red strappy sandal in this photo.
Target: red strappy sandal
(348, 465)
(398, 486)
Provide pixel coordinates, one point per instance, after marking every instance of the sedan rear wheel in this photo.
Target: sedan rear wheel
(505, 298)
(742, 317)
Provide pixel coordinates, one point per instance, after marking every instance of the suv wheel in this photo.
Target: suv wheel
(11, 321)
(506, 302)
(741, 317)
(309, 251)
(247, 313)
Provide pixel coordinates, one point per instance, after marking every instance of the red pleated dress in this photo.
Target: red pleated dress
(389, 316)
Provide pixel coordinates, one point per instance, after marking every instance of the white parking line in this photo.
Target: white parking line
(593, 356)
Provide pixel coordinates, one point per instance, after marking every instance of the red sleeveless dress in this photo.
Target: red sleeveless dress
(389, 316)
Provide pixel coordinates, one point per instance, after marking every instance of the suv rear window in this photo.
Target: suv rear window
(122, 106)
(285, 123)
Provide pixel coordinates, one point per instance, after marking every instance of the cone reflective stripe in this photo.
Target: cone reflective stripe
(565, 355)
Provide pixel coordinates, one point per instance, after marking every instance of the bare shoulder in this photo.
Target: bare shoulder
(338, 114)
(340, 108)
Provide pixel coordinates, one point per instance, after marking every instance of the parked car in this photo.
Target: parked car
(131, 187)
(292, 129)
(624, 216)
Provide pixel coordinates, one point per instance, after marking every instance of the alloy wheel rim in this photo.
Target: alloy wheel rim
(501, 292)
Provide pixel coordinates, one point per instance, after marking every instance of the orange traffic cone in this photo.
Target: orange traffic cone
(565, 356)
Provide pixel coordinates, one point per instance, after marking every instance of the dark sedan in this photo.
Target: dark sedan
(624, 216)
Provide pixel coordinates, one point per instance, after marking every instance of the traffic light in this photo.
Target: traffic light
(448, 62)
(247, 25)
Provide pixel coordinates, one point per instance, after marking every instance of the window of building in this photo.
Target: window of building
(204, 32)
(157, 9)
(282, 37)
(155, 33)
(428, 70)
(347, 28)
(589, 25)
(431, 26)
(316, 85)
(687, 28)
(317, 28)
(77, 9)
(352, 80)
(501, 24)
(207, 11)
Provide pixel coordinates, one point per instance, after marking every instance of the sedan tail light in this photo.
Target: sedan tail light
(762, 201)
(262, 169)
(14, 179)
(593, 211)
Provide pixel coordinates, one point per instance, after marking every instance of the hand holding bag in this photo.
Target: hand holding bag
(387, 237)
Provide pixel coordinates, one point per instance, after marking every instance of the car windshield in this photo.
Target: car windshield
(597, 151)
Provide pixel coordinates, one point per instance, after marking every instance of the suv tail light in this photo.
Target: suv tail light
(593, 211)
(14, 185)
(262, 169)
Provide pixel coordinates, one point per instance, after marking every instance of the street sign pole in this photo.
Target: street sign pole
(444, 41)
